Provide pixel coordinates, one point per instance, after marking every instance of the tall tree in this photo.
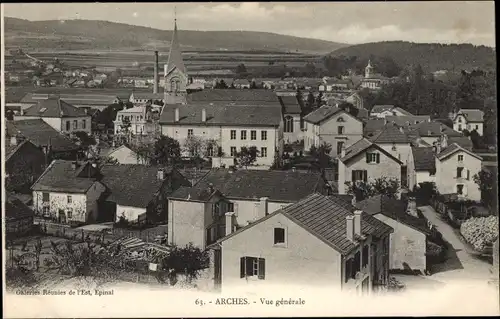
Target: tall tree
(167, 151)
(247, 156)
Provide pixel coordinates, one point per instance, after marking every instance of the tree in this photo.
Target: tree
(476, 139)
(194, 146)
(310, 101)
(241, 69)
(189, 260)
(322, 155)
(310, 70)
(247, 156)
(220, 85)
(380, 186)
(487, 182)
(210, 148)
(319, 100)
(166, 151)
(253, 85)
(145, 153)
(108, 115)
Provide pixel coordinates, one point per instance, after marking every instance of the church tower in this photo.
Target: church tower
(176, 77)
(369, 70)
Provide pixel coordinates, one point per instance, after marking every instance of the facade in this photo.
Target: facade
(136, 121)
(293, 124)
(196, 214)
(143, 98)
(335, 85)
(469, 119)
(365, 161)
(290, 246)
(393, 140)
(408, 242)
(421, 166)
(431, 132)
(59, 114)
(334, 126)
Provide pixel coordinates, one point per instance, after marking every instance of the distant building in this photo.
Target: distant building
(241, 84)
(381, 111)
(176, 75)
(145, 97)
(123, 155)
(137, 120)
(469, 119)
(372, 80)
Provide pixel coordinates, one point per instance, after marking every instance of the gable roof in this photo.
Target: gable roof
(175, 55)
(361, 146)
(222, 114)
(372, 126)
(235, 96)
(390, 133)
(15, 209)
(281, 186)
(325, 218)
(424, 159)
(41, 134)
(60, 176)
(54, 107)
(471, 115)
(453, 148)
(394, 209)
(433, 129)
(12, 149)
(324, 113)
(113, 150)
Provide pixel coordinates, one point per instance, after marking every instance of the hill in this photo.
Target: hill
(431, 56)
(90, 34)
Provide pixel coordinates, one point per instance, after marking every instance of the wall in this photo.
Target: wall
(297, 134)
(298, 262)
(93, 194)
(407, 246)
(59, 201)
(130, 213)
(446, 175)
(402, 152)
(249, 210)
(125, 155)
(328, 131)
(422, 177)
(186, 223)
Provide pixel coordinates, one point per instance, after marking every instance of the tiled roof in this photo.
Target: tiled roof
(390, 133)
(15, 209)
(60, 176)
(54, 107)
(136, 185)
(282, 186)
(403, 111)
(222, 114)
(433, 129)
(290, 104)
(463, 141)
(407, 120)
(325, 218)
(472, 115)
(356, 148)
(372, 126)
(392, 208)
(237, 96)
(41, 134)
(423, 158)
(321, 114)
(452, 149)
(381, 108)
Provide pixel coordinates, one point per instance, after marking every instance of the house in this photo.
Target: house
(135, 120)
(19, 217)
(372, 126)
(59, 114)
(407, 120)
(231, 125)
(92, 100)
(356, 99)
(394, 140)
(365, 161)
(67, 192)
(292, 118)
(44, 136)
(335, 85)
(422, 166)
(469, 119)
(332, 125)
(135, 192)
(430, 132)
(317, 235)
(24, 163)
(196, 213)
(241, 84)
(145, 97)
(373, 81)
(381, 111)
(123, 155)
(408, 242)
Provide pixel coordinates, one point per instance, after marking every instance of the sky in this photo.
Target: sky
(352, 23)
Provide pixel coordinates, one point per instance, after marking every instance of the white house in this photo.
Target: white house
(469, 119)
(136, 120)
(59, 114)
(291, 246)
(145, 97)
(372, 80)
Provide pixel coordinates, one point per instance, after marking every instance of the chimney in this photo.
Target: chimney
(13, 140)
(155, 84)
(444, 141)
(263, 207)
(160, 174)
(357, 222)
(177, 114)
(203, 115)
(229, 223)
(350, 227)
(342, 152)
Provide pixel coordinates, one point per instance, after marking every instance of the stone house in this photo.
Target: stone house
(292, 245)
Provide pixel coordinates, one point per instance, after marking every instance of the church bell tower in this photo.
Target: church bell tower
(175, 72)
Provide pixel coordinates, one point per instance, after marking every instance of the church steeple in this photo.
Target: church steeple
(175, 56)
(369, 69)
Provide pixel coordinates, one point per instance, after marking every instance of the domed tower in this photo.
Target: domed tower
(369, 70)
(176, 77)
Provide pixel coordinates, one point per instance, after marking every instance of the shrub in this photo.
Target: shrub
(480, 232)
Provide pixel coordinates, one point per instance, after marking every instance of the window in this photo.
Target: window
(279, 235)
(243, 135)
(253, 135)
(263, 135)
(45, 197)
(340, 146)
(365, 256)
(70, 213)
(84, 124)
(460, 127)
(372, 157)
(68, 125)
(70, 199)
(340, 119)
(263, 151)
(288, 124)
(233, 151)
(230, 207)
(210, 151)
(460, 158)
(252, 267)
(75, 124)
(459, 120)
(460, 189)
(359, 175)
(340, 130)
(190, 132)
(459, 172)
(233, 134)
(477, 127)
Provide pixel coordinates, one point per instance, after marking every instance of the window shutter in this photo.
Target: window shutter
(262, 268)
(353, 177)
(249, 266)
(367, 157)
(213, 210)
(365, 176)
(468, 174)
(242, 267)
(378, 157)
